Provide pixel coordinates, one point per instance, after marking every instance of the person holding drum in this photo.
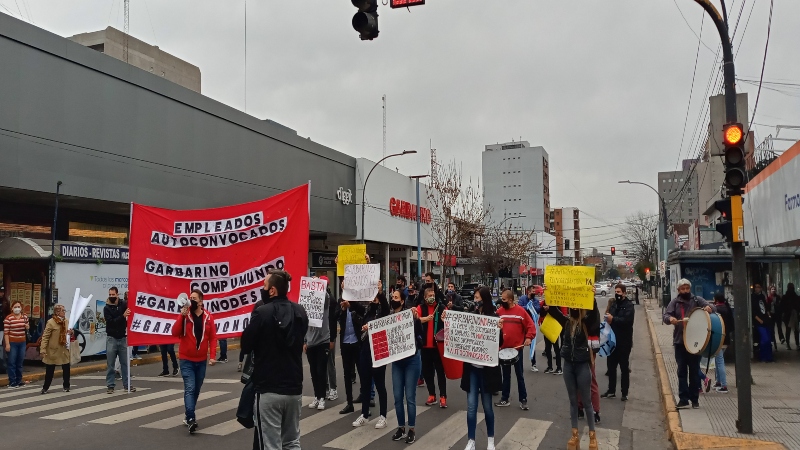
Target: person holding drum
(676, 314)
(518, 332)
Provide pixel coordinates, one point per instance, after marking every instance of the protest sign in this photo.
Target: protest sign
(350, 254)
(391, 338)
(569, 286)
(608, 340)
(471, 338)
(226, 253)
(550, 328)
(361, 282)
(312, 298)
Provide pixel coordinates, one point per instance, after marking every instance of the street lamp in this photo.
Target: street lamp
(364, 188)
(419, 243)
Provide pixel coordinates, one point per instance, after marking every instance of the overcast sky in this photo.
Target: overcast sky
(602, 85)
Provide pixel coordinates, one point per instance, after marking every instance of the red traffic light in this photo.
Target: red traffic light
(613, 251)
(732, 133)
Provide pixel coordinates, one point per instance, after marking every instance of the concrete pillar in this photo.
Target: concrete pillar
(408, 261)
(386, 278)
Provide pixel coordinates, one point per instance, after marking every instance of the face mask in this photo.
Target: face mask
(430, 300)
(617, 296)
(506, 305)
(17, 310)
(112, 300)
(396, 304)
(194, 305)
(685, 296)
(574, 313)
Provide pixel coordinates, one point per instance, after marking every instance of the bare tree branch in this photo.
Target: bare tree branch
(641, 232)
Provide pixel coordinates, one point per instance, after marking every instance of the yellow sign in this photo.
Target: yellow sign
(550, 328)
(350, 254)
(569, 286)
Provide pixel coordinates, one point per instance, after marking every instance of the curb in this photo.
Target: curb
(96, 367)
(692, 441)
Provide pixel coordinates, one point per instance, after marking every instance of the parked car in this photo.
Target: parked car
(467, 291)
(601, 289)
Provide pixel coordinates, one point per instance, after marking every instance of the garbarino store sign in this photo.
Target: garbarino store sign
(772, 203)
(406, 210)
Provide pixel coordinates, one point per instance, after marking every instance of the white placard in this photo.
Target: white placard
(391, 338)
(361, 282)
(471, 338)
(312, 298)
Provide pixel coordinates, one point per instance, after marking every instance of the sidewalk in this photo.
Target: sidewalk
(34, 370)
(776, 400)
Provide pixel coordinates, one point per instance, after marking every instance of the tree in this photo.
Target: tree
(502, 249)
(640, 231)
(613, 273)
(458, 218)
(641, 266)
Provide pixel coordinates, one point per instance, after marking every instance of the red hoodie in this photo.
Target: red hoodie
(184, 328)
(517, 326)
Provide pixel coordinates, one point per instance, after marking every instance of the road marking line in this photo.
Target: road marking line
(606, 439)
(27, 389)
(222, 429)
(164, 379)
(107, 406)
(446, 434)
(143, 412)
(364, 435)
(36, 396)
(65, 404)
(525, 434)
(201, 413)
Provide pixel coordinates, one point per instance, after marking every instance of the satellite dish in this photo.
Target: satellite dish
(183, 300)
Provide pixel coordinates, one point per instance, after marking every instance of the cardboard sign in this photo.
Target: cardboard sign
(471, 338)
(350, 254)
(550, 328)
(569, 286)
(312, 298)
(225, 252)
(361, 282)
(391, 338)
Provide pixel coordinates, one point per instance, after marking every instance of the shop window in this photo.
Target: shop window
(24, 231)
(99, 234)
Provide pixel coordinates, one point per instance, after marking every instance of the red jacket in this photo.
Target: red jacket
(517, 326)
(184, 329)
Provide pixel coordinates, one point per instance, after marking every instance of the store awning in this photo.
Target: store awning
(17, 248)
(22, 248)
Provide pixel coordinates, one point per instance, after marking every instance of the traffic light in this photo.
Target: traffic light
(647, 273)
(366, 19)
(731, 224)
(613, 251)
(735, 175)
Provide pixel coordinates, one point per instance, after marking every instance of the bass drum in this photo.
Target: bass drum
(703, 333)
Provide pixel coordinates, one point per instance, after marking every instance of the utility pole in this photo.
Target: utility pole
(384, 126)
(741, 300)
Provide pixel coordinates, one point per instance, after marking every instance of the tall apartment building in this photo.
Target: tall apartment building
(679, 190)
(142, 55)
(566, 225)
(516, 185)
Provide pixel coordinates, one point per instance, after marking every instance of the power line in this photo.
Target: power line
(763, 62)
(691, 90)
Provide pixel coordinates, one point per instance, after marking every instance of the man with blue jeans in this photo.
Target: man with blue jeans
(116, 314)
(518, 332)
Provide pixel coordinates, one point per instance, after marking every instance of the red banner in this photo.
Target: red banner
(224, 252)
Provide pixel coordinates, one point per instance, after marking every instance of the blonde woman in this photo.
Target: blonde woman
(54, 347)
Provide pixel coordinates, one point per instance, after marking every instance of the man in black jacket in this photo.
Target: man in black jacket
(275, 335)
(116, 314)
(620, 316)
(351, 320)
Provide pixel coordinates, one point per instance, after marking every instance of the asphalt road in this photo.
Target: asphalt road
(151, 418)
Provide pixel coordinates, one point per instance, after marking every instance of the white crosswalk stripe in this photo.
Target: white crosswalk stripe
(364, 435)
(525, 434)
(177, 379)
(16, 392)
(47, 397)
(65, 404)
(131, 400)
(606, 439)
(446, 434)
(202, 413)
(149, 410)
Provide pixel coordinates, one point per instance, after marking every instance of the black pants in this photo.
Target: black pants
(432, 362)
(168, 349)
(548, 350)
(779, 326)
(371, 375)
(350, 355)
(687, 390)
(621, 357)
(50, 370)
(318, 365)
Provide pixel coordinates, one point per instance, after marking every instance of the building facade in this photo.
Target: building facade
(516, 185)
(565, 224)
(679, 191)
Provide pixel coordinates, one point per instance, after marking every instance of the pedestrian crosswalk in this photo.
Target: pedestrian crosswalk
(159, 406)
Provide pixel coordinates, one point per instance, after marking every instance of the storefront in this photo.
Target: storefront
(390, 220)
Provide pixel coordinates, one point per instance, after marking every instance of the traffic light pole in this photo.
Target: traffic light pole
(741, 300)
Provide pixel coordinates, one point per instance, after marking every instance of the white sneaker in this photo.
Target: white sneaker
(321, 404)
(360, 421)
(314, 404)
(381, 423)
(490, 446)
(534, 369)
(333, 395)
(470, 445)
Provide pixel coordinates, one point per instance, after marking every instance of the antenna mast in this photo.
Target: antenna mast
(127, 29)
(384, 126)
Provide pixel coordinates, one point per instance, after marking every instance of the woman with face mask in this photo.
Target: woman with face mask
(429, 312)
(15, 325)
(54, 350)
(378, 308)
(578, 358)
(405, 374)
